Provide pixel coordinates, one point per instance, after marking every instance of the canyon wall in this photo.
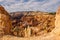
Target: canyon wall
(5, 22)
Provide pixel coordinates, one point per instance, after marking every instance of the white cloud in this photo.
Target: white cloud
(45, 5)
(1, 0)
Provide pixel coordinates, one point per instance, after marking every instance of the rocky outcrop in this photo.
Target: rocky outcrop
(53, 35)
(5, 22)
(56, 31)
(40, 23)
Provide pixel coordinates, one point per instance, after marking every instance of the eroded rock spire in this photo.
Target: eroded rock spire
(56, 31)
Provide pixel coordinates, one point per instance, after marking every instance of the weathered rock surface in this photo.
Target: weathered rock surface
(39, 23)
(57, 23)
(53, 35)
(5, 22)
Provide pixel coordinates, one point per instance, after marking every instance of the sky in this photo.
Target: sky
(30, 5)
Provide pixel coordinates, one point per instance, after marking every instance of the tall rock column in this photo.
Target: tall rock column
(56, 31)
(5, 22)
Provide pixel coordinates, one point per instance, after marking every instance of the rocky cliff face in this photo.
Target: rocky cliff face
(5, 22)
(57, 23)
(54, 35)
(39, 22)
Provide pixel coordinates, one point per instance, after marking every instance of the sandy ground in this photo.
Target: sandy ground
(47, 37)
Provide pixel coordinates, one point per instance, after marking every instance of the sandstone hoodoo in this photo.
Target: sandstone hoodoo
(56, 31)
(38, 24)
(5, 22)
(26, 24)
